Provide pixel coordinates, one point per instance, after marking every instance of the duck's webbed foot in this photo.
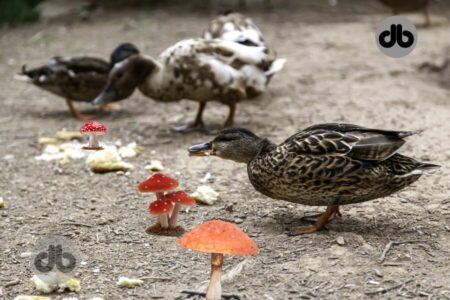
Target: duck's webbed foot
(111, 107)
(189, 127)
(313, 218)
(323, 219)
(198, 124)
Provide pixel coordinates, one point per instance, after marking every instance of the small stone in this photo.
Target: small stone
(238, 220)
(378, 273)
(25, 254)
(2, 203)
(154, 166)
(340, 241)
(125, 282)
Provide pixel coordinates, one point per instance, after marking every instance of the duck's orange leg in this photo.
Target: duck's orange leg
(75, 112)
(313, 218)
(230, 120)
(331, 212)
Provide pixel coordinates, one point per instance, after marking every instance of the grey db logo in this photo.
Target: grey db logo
(55, 254)
(396, 36)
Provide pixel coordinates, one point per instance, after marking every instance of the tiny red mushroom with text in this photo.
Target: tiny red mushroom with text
(158, 184)
(178, 198)
(218, 238)
(93, 129)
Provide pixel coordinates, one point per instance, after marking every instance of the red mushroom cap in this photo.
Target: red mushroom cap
(158, 183)
(93, 127)
(160, 207)
(179, 197)
(219, 237)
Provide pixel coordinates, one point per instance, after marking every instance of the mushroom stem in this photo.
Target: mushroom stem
(174, 216)
(164, 221)
(215, 288)
(93, 141)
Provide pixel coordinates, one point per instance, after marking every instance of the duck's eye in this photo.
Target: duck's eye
(119, 75)
(225, 138)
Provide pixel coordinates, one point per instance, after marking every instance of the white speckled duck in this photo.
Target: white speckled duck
(235, 27)
(196, 69)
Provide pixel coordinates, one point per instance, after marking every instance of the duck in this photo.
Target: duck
(79, 78)
(329, 165)
(398, 6)
(198, 69)
(235, 27)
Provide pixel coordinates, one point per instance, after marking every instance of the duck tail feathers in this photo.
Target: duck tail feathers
(276, 66)
(423, 169)
(403, 134)
(24, 75)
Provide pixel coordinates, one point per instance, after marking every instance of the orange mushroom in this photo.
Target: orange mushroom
(218, 238)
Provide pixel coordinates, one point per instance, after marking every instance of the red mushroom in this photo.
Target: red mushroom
(178, 198)
(218, 238)
(93, 129)
(158, 183)
(161, 207)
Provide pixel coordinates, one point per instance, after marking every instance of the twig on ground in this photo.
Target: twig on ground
(155, 278)
(394, 243)
(12, 283)
(76, 224)
(387, 289)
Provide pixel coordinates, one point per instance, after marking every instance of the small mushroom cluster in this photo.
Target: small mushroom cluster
(167, 204)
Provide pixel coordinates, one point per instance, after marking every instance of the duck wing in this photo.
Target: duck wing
(226, 52)
(67, 66)
(77, 78)
(82, 64)
(349, 140)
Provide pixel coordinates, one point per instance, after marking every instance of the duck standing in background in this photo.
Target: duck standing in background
(196, 69)
(323, 165)
(235, 27)
(79, 78)
(399, 6)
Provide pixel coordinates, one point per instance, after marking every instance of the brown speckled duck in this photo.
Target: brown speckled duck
(79, 78)
(323, 165)
(399, 6)
(195, 69)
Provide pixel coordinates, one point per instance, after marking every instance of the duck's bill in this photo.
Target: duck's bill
(106, 96)
(205, 149)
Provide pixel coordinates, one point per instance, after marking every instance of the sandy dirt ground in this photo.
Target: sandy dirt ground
(335, 73)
